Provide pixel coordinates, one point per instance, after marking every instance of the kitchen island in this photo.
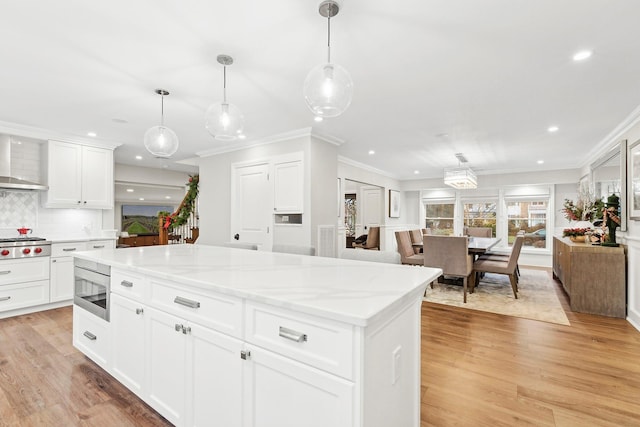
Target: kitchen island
(219, 336)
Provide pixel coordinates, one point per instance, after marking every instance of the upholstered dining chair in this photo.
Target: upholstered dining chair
(479, 232)
(373, 240)
(451, 254)
(416, 240)
(405, 248)
(507, 267)
(501, 256)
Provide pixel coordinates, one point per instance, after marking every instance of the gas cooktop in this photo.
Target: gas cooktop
(21, 239)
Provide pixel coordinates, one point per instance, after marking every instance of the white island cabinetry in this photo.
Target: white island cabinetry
(254, 339)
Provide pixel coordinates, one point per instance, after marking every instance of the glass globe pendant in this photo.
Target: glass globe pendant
(161, 141)
(223, 120)
(328, 88)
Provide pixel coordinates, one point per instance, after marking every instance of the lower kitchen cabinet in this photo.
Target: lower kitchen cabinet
(285, 393)
(91, 335)
(128, 343)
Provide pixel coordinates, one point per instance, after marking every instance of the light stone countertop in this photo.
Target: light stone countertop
(355, 292)
(69, 239)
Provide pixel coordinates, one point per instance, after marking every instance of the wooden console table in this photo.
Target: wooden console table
(594, 277)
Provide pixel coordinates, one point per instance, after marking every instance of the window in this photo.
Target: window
(439, 217)
(480, 214)
(529, 216)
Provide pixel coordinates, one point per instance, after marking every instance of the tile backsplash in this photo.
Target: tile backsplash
(18, 209)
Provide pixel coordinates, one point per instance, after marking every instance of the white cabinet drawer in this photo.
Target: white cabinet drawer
(67, 249)
(129, 285)
(24, 295)
(24, 270)
(100, 244)
(91, 335)
(322, 343)
(220, 312)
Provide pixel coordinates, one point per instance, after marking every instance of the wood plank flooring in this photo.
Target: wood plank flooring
(478, 369)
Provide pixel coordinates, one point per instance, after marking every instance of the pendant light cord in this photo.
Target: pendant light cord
(224, 84)
(329, 38)
(162, 110)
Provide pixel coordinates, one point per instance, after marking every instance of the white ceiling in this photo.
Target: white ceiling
(431, 78)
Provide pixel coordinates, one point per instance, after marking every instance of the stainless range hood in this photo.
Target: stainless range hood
(7, 181)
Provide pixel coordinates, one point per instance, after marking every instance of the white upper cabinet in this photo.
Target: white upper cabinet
(288, 194)
(78, 176)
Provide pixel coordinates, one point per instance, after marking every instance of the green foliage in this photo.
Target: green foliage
(181, 216)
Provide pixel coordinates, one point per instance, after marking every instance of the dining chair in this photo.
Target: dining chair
(416, 240)
(451, 254)
(373, 240)
(507, 266)
(500, 256)
(405, 248)
(479, 231)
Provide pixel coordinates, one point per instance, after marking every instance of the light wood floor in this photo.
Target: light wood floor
(478, 369)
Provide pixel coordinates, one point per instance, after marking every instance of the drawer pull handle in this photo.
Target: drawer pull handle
(178, 327)
(127, 284)
(98, 246)
(292, 335)
(187, 302)
(5, 272)
(5, 298)
(245, 355)
(68, 249)
(139, 310)
(90, 335)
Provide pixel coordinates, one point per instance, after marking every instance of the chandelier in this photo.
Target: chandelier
(462, 176)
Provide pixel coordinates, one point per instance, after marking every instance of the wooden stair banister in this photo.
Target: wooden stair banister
(187, 231)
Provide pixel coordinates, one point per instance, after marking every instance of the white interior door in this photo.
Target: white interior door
(371, 206)
(252, 206)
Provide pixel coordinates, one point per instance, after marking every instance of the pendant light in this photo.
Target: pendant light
(328, 88)
(223, 120)
(160, 140)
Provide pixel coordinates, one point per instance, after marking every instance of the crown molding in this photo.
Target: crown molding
(47, 134)
(613, 138)
(350, 162)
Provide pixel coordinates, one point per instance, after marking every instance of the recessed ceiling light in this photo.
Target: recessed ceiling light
(129, 190)
(138, 157)
(318, 118)
(92, 134)
(242, 136)
(167, 197)
(371, 152)
(540, 162)
(141, 199)
(582, 55)
(553, 129)
(416, 172)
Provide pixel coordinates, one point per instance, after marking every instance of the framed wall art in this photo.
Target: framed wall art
(394, 204)
(634, 181)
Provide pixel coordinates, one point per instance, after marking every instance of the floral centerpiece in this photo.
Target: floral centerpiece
(573, 232)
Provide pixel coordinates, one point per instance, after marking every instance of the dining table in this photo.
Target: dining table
(480, 245)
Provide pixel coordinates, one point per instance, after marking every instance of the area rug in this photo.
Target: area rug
(537, 297)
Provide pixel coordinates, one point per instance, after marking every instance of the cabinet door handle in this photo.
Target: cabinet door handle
(90, 335)
(245, 355)
(186, 330)
(187, 302)
(127, 284)
(98, 246)
(68, 249)
(178, 327)
(5, 298)
(292, 335)
(139, 310)
(5, 272)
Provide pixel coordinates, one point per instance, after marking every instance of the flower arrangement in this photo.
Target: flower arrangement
(586, 208)
(573, 232)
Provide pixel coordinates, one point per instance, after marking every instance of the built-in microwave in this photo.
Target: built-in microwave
(92, 287)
